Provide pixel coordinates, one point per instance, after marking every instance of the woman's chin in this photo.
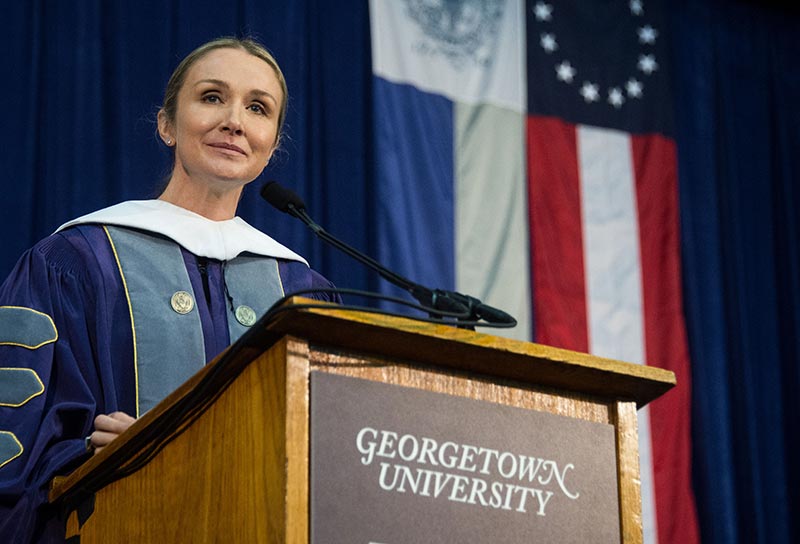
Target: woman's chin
(227, 181)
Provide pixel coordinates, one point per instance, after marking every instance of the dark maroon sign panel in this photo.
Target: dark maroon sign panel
(396, 465)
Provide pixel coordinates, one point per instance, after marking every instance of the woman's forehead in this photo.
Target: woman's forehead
(235, 67)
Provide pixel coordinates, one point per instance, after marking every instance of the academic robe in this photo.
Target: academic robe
(66, 347)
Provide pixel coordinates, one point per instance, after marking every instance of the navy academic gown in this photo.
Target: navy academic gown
(72, 277)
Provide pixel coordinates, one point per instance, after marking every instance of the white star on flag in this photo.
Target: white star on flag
(636, 7)
(589, 92)
(565, 71)
(543, 12)
(615, 97)
(647, 34)
(634, 88)
(647, 64)
(548, 42)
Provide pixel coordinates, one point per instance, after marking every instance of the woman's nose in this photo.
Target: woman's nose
(233, 121)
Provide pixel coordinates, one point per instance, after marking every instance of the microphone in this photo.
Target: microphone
(289, 202)
(281, 198)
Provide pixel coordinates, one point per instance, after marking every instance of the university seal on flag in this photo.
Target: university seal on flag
(460, 30)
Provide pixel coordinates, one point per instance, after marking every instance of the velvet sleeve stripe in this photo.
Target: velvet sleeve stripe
(18, 386)
(10, 448)
(26, 327)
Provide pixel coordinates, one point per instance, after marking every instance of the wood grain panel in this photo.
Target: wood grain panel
(470, 351)
(297, 441)
(439, 380)
(630, 485)
(223, 480)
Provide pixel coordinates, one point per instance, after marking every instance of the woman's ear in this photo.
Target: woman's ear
(165, 128)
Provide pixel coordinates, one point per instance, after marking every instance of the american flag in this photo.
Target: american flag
(604, 224)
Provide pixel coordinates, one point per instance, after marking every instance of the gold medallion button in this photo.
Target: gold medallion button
(182, 302)
(245, 315)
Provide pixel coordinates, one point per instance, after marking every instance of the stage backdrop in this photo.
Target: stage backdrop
(503, 191)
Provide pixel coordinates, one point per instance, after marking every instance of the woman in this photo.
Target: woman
(104, 318)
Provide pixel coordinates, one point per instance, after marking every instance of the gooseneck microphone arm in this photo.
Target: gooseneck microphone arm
(287, 201)
(387, 274)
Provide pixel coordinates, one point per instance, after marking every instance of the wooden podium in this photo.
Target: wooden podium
(225, 458)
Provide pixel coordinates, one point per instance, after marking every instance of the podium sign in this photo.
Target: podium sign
(392, 464)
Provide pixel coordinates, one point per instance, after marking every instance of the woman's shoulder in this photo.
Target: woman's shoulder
(73, 250)
(75, 260)
(299, 277)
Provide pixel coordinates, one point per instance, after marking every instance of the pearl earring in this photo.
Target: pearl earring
(169, 141)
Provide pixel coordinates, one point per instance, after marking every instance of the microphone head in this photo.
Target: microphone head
(281, 197)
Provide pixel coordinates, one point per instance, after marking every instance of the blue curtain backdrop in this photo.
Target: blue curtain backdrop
(737, 79)
(83, 81)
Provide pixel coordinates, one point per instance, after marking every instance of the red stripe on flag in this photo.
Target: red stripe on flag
(654, 161)
(558, 285)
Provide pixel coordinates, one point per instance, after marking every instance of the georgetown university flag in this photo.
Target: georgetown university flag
(525, 155)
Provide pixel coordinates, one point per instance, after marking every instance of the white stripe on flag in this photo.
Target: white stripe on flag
(649, 521)
(491, 212)
(614, 305)
(611, 245)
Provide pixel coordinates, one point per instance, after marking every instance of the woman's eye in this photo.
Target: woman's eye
(258, 108)
(211, 98)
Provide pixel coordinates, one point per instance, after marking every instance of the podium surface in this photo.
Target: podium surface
(228, 456)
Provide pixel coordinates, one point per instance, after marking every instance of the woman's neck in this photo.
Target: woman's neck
(203, 199)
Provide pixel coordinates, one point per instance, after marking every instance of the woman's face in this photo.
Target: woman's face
(226, 122)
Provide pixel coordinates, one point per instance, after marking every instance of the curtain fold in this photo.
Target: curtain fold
(738, 68)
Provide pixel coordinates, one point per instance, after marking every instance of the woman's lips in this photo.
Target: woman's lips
(230, 147)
